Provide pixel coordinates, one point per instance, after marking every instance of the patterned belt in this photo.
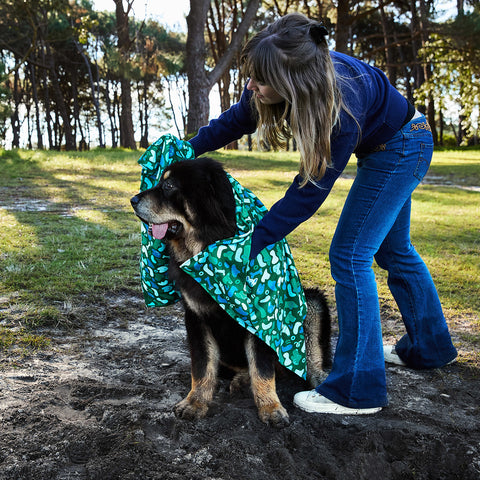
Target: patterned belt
(414, 127)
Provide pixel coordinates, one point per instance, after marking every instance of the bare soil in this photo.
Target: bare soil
(98, 404)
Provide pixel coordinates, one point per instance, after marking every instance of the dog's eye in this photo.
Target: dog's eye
(168, 186)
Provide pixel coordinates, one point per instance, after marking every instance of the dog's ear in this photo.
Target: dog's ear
(220, 202)
(218, 192)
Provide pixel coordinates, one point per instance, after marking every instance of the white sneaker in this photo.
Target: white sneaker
(312, 402)
(391, 356)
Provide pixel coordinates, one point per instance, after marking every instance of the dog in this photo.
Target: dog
(191, 207)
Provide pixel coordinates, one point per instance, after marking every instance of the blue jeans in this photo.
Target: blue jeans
(375, 224)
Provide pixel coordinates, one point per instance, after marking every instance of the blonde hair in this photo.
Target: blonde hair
(291, 56)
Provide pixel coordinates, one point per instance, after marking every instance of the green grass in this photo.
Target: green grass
(445, 225)
(21, 339)
(69, 235)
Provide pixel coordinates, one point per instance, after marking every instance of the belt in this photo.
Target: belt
(412, 114)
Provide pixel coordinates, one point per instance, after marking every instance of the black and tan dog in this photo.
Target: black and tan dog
(191, 207)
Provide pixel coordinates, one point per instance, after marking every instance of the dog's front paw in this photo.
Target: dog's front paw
(275, 416)
(190, 410)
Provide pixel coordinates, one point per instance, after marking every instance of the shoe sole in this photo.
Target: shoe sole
(337, 409)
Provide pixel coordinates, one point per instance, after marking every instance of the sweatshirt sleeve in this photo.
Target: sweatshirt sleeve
(231, 125)
(299, 204)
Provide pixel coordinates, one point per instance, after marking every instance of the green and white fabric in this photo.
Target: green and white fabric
(263, 295)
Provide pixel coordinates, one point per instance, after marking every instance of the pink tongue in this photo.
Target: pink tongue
(159, 231)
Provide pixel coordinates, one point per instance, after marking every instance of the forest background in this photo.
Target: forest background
(74, 78)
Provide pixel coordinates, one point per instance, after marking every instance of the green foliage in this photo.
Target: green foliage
(455, 55)
(69, 54)
(5, 109)
(21, 340)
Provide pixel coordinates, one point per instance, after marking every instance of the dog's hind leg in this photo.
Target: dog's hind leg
(261, 364)
(205, 358)
(317, 327)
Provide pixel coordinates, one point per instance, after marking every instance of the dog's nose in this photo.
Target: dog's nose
(134, 201)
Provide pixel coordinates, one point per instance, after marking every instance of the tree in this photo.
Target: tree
(82, 24)
(4, 105)
(127, 138)
(158, 54)
(455, 53)
(201, 80)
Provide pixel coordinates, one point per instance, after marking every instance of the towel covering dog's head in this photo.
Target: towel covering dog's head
(264, 295)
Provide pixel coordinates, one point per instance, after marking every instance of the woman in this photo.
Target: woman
(335, 105)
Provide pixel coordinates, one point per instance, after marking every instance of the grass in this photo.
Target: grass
(445, 221)
(21, 339)
(69, 235)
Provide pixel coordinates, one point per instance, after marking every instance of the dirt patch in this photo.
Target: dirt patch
(98, 405)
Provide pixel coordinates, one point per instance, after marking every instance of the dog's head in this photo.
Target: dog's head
(191, 207)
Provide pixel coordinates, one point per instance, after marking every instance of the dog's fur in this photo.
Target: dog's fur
(195, 199)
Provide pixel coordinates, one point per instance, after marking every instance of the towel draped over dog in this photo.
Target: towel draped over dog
(263, 295)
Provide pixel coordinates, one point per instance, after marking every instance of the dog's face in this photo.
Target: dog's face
(191, 207)
(164, 209)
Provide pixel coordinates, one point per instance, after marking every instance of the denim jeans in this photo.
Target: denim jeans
(375, 224)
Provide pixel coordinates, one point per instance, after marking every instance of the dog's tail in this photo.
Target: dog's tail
(317, 327)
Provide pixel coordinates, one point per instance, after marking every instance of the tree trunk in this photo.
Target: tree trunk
(406, 73)
(46, 100)
(76, 115)
(417, 71)
(110, 113)
(127, 137)
(142, 94)
(427, 70)
(199, 81)
(389, 57)
(60, 101)
(14, 118)
(95, 98)
(342, 30)
(37, 107)
(198, 85)
(440, 135)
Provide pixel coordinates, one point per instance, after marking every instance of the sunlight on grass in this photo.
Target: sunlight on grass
(15, 234)
(68, 230)
(445, 225)
(21, 340)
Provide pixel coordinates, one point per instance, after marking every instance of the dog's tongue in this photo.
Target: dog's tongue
(159, 230)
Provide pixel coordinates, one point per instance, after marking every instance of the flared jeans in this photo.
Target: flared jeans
(375, 224)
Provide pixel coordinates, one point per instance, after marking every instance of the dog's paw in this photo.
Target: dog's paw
(240, 384)
(275, 416)
(189, 410)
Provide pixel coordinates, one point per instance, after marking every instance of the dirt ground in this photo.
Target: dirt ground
(98, 405)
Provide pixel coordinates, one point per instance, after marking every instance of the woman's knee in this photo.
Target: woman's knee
(345, 263)
(388, 257)
(338, 260)
(384, 259)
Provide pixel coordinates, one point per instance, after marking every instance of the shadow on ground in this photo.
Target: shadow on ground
(99, 406)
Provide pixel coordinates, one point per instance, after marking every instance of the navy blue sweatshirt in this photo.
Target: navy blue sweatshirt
(379, 109)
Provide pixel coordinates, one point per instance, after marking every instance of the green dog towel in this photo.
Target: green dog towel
(263, 295)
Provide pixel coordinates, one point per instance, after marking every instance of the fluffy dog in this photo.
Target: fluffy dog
(191, 207)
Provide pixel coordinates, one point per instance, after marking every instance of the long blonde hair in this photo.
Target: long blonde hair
(291, 56)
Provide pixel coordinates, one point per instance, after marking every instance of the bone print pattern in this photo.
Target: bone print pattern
(264, 295)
